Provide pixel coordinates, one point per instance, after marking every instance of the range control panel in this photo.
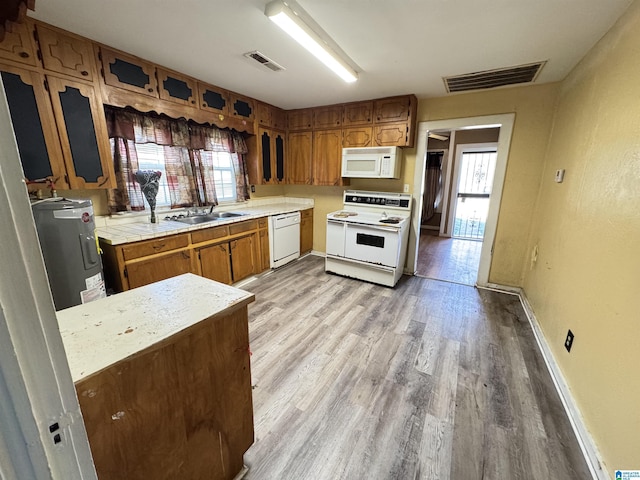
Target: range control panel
(401, 201)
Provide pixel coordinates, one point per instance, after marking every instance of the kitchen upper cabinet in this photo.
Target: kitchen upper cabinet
(83, 134)
(299, 157)
(213, 99)
(327, 157)
(177, 88)
(360, 113)
(19, 45)
(300, 119)
(128, 72)
(306, 230)
(66, 53)
(215, 262)
(327, 117)
(242, 107)
(392, 134)
(34, 125)
(270, 116)
(158, 268)
(393, 109)
(357, 137)
(270, 163)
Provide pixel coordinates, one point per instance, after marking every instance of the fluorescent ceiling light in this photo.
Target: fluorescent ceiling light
(290, 22)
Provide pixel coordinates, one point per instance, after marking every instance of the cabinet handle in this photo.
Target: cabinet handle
(24, 54)
(84, 73)
(150, 90)
(158, 247)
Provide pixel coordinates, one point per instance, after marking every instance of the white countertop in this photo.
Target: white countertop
(100, 333)
(117, 231)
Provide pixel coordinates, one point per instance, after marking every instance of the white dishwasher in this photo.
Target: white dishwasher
(284, 238)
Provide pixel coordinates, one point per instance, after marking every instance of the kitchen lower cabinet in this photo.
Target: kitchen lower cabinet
(215, 262)
(263, 239)
(243, 258)
(306, 230)
(224, 253)
(158, 268)
(179, 406)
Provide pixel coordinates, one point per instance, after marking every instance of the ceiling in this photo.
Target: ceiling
(400, 46)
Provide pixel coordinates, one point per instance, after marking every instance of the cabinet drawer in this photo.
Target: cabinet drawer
(263, 222)
(142, 249)
(210, 234)
(240, 227)
(306, 213)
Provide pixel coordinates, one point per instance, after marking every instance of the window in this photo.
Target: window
(224, 176)
(151, 157)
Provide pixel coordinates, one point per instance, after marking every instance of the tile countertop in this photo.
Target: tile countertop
(117, 230)
(98, 334)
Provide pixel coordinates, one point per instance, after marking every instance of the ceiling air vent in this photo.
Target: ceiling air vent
(493, 78)
(267, 62)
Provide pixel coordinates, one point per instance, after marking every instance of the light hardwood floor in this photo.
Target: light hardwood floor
(429, 380)
(448, 259)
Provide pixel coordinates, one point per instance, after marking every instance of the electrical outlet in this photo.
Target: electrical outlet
(253, 189)
(406, 188)
(559, 175)
(534, 256)
(569, 341)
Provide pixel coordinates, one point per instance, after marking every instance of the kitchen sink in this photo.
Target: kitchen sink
(208, 217)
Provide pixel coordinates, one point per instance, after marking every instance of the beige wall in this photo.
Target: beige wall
(587, 277)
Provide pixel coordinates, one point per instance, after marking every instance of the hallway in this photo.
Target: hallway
(448, 259)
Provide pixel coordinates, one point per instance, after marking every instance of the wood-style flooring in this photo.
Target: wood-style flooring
(448, 259)
(428, 380)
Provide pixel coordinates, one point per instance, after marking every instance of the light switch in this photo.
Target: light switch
(559, 175)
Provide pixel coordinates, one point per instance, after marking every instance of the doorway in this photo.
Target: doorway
(460, 127)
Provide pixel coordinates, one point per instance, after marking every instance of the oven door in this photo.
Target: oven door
(372, 244)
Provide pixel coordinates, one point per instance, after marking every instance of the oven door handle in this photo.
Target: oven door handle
(371, 227)
(335, 222)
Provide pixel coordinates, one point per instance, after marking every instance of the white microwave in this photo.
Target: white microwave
(371, 162)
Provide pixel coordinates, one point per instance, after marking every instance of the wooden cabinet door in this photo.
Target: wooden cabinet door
(242, 107)
(265, 147)
(213, 99)
(66, 53)
(243, 262)
(393, 109)
(306, 230)
(265, 258)
(177, 88)
(158, 268)
(327, 157)
(128, 72)
(18, 44)
(278, 155)
(327, 117)
(299, 151)
(263, 114)
(360, 113)
(34, 125)
(278, 118)
(83, 134)
(392, 134)
(357, 137)
(300, 119)
(214, 262)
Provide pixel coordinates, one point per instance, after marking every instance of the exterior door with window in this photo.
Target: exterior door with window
(474, 178)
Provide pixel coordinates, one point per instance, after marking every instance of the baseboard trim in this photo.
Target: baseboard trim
(589, 449)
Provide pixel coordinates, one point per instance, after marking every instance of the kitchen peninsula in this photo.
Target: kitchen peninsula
(163, 378)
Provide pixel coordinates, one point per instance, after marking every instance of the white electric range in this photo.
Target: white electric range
(368, 238)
